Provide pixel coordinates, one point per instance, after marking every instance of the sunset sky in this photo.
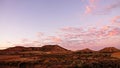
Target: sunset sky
(73, 24)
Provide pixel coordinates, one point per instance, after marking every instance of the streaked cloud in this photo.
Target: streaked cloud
(113, 6)
(114, 31)
(91, 37)
(95, 7)
(77, 37)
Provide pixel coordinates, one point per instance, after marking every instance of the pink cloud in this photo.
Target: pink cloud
(116, 19)
(39, 34)
(53, 39)
(114, 31)
(77, 37)
(91, 32)
(90, 37)
(94, 7)
(88, 10)
(70, 29)
(91, 6)
(112, 6)
(56, 39)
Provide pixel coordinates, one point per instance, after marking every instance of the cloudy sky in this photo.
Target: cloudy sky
(73, 24)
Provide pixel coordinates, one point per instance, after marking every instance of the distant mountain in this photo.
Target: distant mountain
(16, 48)
(109, 50)
(53, 49)
(46, 48)
(12, 50)
(86, 50)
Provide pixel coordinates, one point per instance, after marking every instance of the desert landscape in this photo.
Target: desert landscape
(54, 56)
(59, 33)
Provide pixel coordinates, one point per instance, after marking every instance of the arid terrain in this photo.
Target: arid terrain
(54, 56)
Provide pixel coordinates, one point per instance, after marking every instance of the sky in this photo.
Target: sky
(73, 24)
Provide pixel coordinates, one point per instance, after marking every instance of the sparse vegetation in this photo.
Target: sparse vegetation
(35, 58)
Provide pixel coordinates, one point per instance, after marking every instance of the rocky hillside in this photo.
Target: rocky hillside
(46, 48)
(116, 55)
(109, 50)
(53, 49)
(86, 50)
(54, 56)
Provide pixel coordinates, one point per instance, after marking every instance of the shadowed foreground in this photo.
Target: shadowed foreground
(54, 56)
